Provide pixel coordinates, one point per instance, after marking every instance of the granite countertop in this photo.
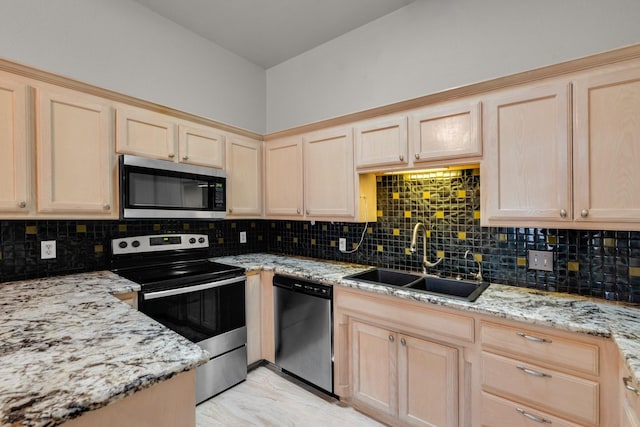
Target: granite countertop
(566, 312)
(68, 346)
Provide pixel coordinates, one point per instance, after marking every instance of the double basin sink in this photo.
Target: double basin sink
(467, 290)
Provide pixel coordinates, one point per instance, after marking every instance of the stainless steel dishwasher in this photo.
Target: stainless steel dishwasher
(304, 330)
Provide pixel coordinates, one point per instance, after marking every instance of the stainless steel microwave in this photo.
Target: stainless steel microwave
(162, 189)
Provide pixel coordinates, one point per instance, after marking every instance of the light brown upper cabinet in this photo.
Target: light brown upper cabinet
(244, 176)
(202, 146)
(382, 142)
(541, 168)
(75, 157)
(312, 176)
(450, 131)
(283, 177)
(15, 146)
(606, 147)
(145, 133)
(525, 172)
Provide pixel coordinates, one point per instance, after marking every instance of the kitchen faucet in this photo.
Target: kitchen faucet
(425, 261)
(478, 275)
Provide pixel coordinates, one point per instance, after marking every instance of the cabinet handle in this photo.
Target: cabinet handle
(230, 210)
(403, 341)
(401, 158)
(391, 339)
(185, 157)
(563, 213)
(22, 204)
(298, 210)
(628, 385)
(532, 372)
(533, 417)
(171, 155)
(308, 212)
(532, 338)
(584, 213)
(106, 207)
(417, 156)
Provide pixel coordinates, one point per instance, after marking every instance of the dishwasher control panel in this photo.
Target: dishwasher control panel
(304, 286)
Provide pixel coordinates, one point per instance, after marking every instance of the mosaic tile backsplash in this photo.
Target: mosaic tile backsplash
(602, 264)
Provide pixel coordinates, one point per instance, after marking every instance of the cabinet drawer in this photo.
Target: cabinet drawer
(497, 412)
(560, 352)
(564, 395)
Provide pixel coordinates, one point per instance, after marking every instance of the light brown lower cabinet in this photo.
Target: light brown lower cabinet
(630, 398)
(407, 378)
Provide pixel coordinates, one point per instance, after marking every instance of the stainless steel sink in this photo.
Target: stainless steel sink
(467, 290)
(455, 288)
(381, 276)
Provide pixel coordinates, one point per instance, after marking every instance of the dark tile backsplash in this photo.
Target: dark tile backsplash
(602, 264)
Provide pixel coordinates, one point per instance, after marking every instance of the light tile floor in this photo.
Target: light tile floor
(268, 399)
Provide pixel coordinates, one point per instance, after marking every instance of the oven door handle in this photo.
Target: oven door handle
(196, 288)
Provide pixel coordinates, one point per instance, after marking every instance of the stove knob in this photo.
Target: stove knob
(201, 240)
(135, 243)
(123, 244)
(192, 240)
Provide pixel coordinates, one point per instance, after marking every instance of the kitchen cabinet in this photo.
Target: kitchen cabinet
(312, 176)
(382, 142)
(525, 172)
(267, 319)
(606, 147)
(75, 160)
(244, 166)
(449, 131)
(412, 379)
(145, 133)
(202, 146)
(564, 153)
(630, 397)
(401, 362)
(529, 374)
(130, 298)
(16, 147)
(283, 178)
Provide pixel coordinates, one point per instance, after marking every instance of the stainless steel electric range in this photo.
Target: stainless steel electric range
(201, 300)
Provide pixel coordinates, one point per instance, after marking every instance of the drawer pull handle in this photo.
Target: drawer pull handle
(533, 417)
(532, 338)
(533, 373)
(628, 385)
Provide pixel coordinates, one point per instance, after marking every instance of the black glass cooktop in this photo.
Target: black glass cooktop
(183, 272)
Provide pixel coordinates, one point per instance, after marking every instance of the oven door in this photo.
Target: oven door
(209, 314)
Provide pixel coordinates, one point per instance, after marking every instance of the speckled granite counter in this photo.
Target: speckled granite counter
(562, 311)
(68, 346)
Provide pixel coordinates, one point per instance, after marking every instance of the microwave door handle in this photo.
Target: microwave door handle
(196, 288)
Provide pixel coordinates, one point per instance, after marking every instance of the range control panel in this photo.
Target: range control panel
(158, 242)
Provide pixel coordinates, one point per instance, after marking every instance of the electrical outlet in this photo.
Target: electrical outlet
(243, 237)
(541, 260)
(47, 249)
(342, 244)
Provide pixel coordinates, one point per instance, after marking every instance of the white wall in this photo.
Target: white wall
(434, 45)
(122, 46)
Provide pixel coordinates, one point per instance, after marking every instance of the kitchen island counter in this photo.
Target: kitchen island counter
(69, 346)
(571, 313)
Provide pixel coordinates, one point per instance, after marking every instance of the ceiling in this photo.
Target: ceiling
(268, 32)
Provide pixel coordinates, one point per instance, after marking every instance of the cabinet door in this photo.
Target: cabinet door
(244, 176)
(382, 142)
(201, 146)
(607, 147)
(283, 175)
(329, 177)
(15, 170)
(427, 383)
(526, 173)
(75, 155)
(145, 133)
(446, 131)
(374, 380)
